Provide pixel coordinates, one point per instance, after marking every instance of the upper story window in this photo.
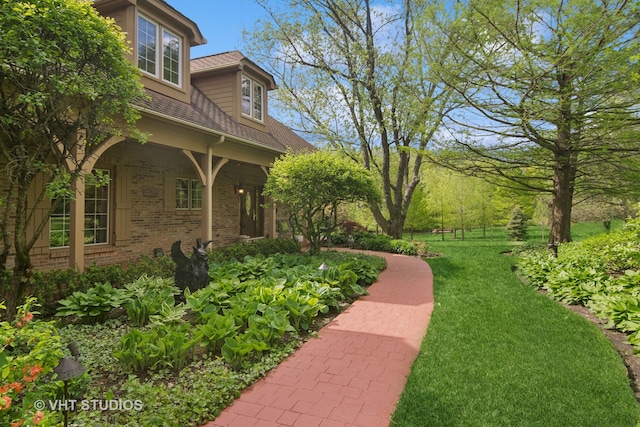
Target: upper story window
(252, 99)
(170, 57)
(159, 55)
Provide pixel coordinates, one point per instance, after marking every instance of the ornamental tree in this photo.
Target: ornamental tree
(549, 98)
(310, 187)
(354, 74)
(66, 87)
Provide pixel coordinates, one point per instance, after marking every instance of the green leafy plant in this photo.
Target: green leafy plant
(157, 348)
(213, 333)
(169, 314)
(147, 296)
(30, 350)
(238, 351)
(94, 305)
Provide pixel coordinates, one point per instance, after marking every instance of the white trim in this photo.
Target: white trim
(159, 45)
(252, 90)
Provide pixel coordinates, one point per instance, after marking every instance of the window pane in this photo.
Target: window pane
(182, 193)
(196, 194)
(246, 96)
(96, 215)
(59, 225)
(171, 57)
(146, 45)
(257, 101)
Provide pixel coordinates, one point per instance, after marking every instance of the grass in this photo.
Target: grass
(498, 353)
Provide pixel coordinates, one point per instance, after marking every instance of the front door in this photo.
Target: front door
(251, 212)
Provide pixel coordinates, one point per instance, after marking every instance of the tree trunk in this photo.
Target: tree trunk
(563, 185)
(17, 285)
(396, 227)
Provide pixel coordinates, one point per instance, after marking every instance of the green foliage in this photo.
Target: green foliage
(193, 397)
(266, 247)
(517, 226)
(94, 305)
(539, 88)
(603, 273)
(215, 330)
(310, 186)
(30, 349)
(147, 297)
(165, 347)
(65, 71)
(169, 314)
(380, 243)
(55, 285)
(247, 308)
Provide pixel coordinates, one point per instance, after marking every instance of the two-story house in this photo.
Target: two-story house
(201, 173)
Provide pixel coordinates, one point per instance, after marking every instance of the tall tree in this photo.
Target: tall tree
(311, 187)
(66, 86)
(354, 73)
(549, 101)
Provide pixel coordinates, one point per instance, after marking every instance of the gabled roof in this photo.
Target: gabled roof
(204, 113)
(190, 28)
(228, 61)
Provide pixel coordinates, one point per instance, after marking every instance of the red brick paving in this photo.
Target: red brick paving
(354, 373)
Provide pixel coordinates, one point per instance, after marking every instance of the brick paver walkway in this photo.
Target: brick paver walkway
(354, 373)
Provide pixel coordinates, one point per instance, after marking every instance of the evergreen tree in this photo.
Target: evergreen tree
(517, 225)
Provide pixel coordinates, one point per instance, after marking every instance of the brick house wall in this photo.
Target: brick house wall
(143, 213)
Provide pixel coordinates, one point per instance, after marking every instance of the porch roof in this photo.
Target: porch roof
(204, 113)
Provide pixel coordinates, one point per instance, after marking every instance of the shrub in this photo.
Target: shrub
(30, 349)
(50, 287)
(517, 225)
(380, 243)
(266, 247)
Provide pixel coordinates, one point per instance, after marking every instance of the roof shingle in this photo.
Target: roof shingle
(202, 111)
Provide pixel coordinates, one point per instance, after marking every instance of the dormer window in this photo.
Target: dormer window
(157, 52)
(252, 99)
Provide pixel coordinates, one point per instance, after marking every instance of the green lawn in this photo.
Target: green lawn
(498, 353)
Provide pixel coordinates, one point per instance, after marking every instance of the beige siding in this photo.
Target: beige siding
(221, 89)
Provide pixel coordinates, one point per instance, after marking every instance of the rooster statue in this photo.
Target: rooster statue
(192, 273)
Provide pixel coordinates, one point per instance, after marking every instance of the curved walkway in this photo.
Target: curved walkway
(354, 373)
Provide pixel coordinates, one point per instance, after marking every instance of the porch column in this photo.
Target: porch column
(207, 196)
(274, 220)
(210, 172)
(76, 215)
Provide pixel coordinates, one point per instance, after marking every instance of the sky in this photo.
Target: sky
(220, 21)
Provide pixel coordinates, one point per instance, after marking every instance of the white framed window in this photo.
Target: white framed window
(252, 99)
(147, 41)
(188, 194)
(159, 51)
(96, 214)
(171, 57)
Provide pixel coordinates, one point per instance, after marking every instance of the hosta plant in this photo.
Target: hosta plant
(94, 305)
